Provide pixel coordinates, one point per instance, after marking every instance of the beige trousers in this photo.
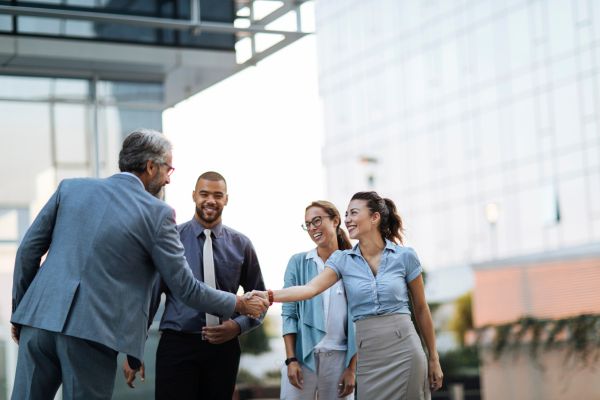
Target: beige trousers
(391, 360)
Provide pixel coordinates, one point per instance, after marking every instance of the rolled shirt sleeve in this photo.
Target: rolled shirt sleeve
(289, 311)
(413, 266)
(335, 262)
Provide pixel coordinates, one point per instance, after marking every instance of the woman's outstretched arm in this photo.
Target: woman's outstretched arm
(317, 285)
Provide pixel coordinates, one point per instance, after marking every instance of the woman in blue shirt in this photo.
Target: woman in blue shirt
(378, 275)
(318, 333)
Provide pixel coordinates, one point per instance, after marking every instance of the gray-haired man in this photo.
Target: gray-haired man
(105, 240)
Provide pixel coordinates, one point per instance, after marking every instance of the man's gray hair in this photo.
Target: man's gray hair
(140, 146)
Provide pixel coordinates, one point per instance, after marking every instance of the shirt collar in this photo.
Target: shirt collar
(389, 245)
(198, 228)
(135, 176)
(311, 255)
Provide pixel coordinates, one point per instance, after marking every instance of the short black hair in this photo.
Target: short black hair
(212, 176)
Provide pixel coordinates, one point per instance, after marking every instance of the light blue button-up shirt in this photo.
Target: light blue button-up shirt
(385, 293)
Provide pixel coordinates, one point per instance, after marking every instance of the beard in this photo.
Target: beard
(156, 188)
(206, 218)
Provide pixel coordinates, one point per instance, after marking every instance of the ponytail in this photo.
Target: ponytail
(390, 226)
(394, 231)
(342, 238)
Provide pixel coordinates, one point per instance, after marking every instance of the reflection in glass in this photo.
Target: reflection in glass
(211, 10)
(130, 92)
(71, 89)
(14, 87)
(70, 127)
(5, 23)
(9, 224)
(40, 26)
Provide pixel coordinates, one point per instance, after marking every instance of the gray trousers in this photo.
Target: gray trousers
(46, 359)
(323, 384)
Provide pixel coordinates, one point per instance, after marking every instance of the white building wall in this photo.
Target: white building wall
(465, 104)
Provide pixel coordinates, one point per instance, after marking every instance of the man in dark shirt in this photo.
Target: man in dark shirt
(193, 360)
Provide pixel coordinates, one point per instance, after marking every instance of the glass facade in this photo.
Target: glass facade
(462, 106)
(52, 123)
(210, 11)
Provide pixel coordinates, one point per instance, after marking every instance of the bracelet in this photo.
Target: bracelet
(290, 360)
(270, 293)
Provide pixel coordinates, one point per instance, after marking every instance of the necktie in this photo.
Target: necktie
(209, 272)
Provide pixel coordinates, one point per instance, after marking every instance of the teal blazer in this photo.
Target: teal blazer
(306, 318)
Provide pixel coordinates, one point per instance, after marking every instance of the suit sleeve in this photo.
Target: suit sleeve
(168, 257)
(251, 279)
(158, 289)
(34, 245)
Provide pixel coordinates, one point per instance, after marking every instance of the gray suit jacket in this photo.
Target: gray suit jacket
(106, 239)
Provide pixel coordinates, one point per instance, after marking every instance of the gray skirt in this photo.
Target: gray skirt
(391, 360)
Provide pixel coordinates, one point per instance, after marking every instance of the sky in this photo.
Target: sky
(262, 130)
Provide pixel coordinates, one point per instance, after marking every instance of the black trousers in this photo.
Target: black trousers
(188, 367)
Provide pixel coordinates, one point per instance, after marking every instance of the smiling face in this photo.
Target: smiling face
(323, 235)
(360, 221)
(210, 198)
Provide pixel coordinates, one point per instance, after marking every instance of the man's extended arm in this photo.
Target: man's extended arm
(168, 256)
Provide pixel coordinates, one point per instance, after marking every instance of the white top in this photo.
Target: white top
(335, 310)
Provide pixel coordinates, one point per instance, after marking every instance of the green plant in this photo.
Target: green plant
(256, 341)
(462, 319)
(462, 361)
(247, 377)
(578, 334)
(273, 374)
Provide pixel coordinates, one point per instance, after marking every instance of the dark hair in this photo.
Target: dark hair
(212, 176)
(139, 147)
(332, 211)
(390, 226)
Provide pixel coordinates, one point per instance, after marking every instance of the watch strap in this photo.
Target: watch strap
(290, 360)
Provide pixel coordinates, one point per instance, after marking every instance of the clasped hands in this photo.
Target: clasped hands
(252, 304)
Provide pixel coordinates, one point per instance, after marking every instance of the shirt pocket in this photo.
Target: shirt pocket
(228, 273)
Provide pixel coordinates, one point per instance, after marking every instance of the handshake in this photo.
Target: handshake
(253, 304)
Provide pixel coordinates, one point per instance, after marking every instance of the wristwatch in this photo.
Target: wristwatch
(290, 360)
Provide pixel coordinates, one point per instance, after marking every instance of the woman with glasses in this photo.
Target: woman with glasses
(318, 333)
(379, 275)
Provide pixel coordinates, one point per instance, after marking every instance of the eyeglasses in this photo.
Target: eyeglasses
(170, 170)
(315, 222)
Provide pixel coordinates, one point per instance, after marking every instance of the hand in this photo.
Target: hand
(252, 305)
(15, 333)
(294, 372)
(346, 383)
(258, 293)
(221, 333)
(436, 376)
(130, 373)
